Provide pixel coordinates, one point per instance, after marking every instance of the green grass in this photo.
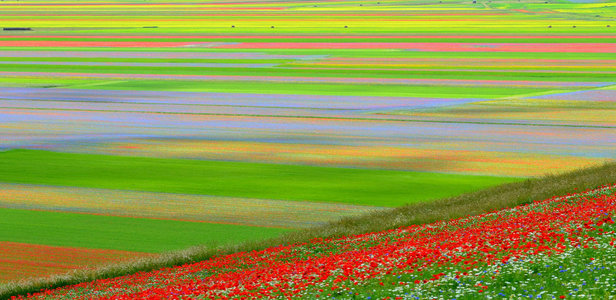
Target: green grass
(119, 233)
(291, 72)
(237, 179)
(333, 89)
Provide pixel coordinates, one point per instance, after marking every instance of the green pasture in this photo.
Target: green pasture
(334, 89)
(425, 72)
(316, 66)
(237, 179)
(294, 88)
(291, 88)
(119, 233)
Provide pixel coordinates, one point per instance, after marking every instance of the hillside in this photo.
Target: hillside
(561, 246)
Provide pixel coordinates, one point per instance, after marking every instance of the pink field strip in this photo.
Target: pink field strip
(93, 44)
(357, 14)
(227, 5)
(439, 47)
(275, 13)
(478, 61)
(308, 36)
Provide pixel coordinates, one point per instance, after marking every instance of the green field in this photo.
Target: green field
(237, 179)
(117, 233)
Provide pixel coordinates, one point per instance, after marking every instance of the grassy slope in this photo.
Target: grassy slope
(130, 234)
(507, 195)
(236, 179)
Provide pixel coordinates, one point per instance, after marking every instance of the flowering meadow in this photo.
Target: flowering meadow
(557, 248)
(149, 129)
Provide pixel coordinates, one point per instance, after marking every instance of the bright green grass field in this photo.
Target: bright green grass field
(333, 89)
(237, 179)
(129, 234)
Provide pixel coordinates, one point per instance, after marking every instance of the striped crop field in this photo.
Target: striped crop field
(558, 248)
(133, 128)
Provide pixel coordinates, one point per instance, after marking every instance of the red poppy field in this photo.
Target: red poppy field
(555, 248)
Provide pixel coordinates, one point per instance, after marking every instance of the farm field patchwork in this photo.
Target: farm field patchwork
(197, 208)
(217, 122)
(556, 248)
(236, 179)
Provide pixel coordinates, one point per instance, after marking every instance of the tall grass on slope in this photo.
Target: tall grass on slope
(503, 196)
